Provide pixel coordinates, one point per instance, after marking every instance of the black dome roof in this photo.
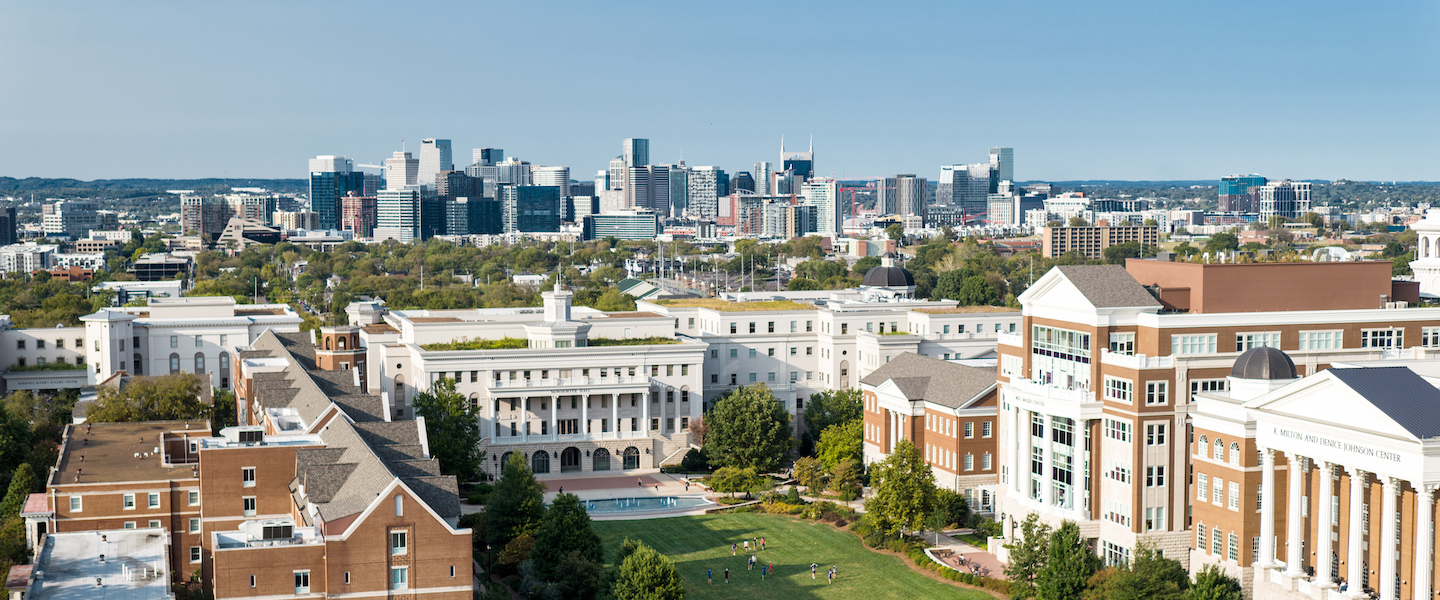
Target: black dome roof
(1263, 363)
(888, 276)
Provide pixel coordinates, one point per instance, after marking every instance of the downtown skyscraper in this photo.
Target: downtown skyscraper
(434, 158)
(331, 179)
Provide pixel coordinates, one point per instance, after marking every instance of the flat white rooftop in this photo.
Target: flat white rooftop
(135, 566)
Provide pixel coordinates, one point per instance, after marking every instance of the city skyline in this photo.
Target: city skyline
(1134, 92)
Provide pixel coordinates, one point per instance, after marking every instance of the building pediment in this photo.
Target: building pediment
(1326, 401)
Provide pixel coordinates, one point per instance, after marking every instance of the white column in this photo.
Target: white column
(1356, 559)
(1267, 508)
(1016, 467)
(1324, 536)
(585, 415)
(645, 412)
(614, 413)
(524, 419)
(1047, 489)
(1294, 532)
(1424, 542)
(1386, 583)
(554, 409)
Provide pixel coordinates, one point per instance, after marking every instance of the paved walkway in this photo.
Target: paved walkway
(951, 551)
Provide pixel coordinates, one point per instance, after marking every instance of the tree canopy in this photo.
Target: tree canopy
(452, 427)
(831, 407)
(748, 428)
(1068, 565)
(904, 489)
(647, 575)
(840, 442)
(173, 397)
(516, 505)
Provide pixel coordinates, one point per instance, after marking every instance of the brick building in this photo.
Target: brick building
(1092, 241)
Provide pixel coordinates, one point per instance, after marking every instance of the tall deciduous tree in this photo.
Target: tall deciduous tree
(1028, 553)
(828, 408)
(748, 428)
(1068, 566)
(21, 486)
(172, 397)
(565, 528)
(647, 575)
(904, 489)
(809, 473)
(839, 443)
(452, 427)
(517, 504)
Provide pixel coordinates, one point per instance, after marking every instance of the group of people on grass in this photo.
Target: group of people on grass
(766, 569)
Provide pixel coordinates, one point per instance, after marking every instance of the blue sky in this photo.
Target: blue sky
(1096, 90)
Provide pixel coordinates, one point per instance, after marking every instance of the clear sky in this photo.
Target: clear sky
(1081, 90)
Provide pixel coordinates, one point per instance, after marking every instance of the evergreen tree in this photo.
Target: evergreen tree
(1068, 565)
(1150, 576)
(517, 504)
(1028, 555)
(22, 484)
(1211, 583)
(565, 528)
(647, 575)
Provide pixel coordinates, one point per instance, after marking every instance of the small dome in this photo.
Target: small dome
(888, 276)
(1263, 363)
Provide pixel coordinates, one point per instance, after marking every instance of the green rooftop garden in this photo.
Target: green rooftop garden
(506, 343)
(727, 306)
(55, 366)
(648, 341)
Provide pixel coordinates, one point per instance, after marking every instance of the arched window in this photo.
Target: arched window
(340, 341)
(327, 343)
(137, 365)
(1203, 445)
(1235, 452)
(399, 505)
(174, 363)
(399, 389)
(199, 363)
(1424, 247)
(1219, 449)
(224, 370)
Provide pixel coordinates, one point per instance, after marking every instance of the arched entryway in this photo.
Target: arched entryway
(540, 462)
(505, 460)
(632, 458)
(844, 374)
(570, 459)
(602, 460)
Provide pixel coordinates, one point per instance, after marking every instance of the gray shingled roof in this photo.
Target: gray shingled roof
(933, 380)
(1108, 286)
(1400, 393)
(362, 453)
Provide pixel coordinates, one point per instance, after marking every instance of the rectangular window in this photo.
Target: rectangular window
(1155, 434)
(20, 344)
(154, 524)
(752, 378)
(769, 352)
(194, 554)
(247, 504)
(1202, 488)
(174, 341)
(129, 501)
(969, 462)
(752, 353)
(1233, 546)
(1122, 343)
(397, 543)
(1208, 385)
(194, 525)
(247, 476)
(1154, 476)
(1217, 492)
(1120, 390)
(732, 328)
(194, 497)
(302, 582)
(153, 500)
(1192, 344)
(985, 463)
(1382, 338)
(75, 504)
(1118, 430)
(1255, 339)
(734, 353)
(1216, 542)
(129, 524)
(1200, 537)
(399, 578)
(985, 430)
(1334, 340)
(347, 578)
(1234, 496)
(1157, 393)
(969, 430)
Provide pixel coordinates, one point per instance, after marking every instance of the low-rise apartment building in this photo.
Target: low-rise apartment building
(1092, 240)
(947, 410)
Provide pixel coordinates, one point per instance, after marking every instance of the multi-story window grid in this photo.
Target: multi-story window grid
(1060, 356)
(1234, 546)
(1192, 344)
(1256, 339)
(1202, 486)
(1116, 555)
(1329, 340)
(1119, 390)
(1154, 518)
(1382, 338)
(1216, 542)
(1157, 393)
(1154, 476)
(1208, 385)
(1037, 471)
(1201, 537)
(1116, 429)
(1118, 471)
(1430, 337)
(1122, 343)
(1062, 461)
(1217, 492)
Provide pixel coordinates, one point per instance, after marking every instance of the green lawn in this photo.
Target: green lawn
(703, 542)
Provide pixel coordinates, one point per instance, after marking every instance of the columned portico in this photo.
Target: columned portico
(1386, 584)
(1267, 508)
(1424, 541)
(1324, 525)
(1294, 532)
(1359, 481)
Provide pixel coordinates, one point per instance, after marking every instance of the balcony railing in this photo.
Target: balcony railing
(1033, 388)
(569, 382)
(569, 437)
(1135, 361)
(1010, 339)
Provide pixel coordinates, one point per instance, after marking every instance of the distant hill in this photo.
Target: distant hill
(127, 188)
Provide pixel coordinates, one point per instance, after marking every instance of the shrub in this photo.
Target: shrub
(694, 462)
(848, 495)
(794, 496)
(477, 498)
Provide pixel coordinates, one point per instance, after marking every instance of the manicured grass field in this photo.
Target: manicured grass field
(703, 542)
